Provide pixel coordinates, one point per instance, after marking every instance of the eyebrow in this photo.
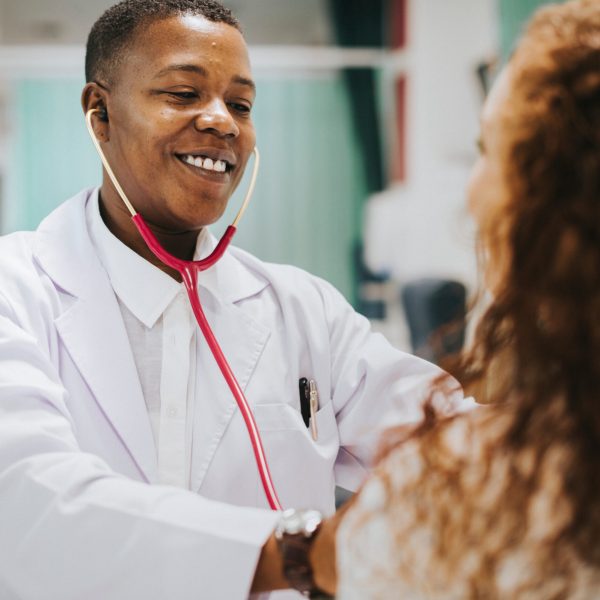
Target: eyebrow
(203, 72)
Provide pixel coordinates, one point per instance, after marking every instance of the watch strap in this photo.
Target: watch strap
(296, 563)
(297, 569)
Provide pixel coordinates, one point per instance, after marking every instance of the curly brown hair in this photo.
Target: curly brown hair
(536, 349)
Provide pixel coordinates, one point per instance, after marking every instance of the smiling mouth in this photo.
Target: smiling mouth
(205, 163)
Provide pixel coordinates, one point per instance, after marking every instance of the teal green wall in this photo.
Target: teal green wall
(50, 157)
(310, 191)
(514, 14)
(305, 209)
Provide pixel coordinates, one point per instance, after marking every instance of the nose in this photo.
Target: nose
(214, 117)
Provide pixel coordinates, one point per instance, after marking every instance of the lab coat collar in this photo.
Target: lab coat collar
(64, 251)
(61, 237)
(144, 289)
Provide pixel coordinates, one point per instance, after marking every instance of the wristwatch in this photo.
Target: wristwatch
(295, 534)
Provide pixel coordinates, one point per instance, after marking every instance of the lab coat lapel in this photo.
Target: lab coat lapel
(92, 329)
(242, 339)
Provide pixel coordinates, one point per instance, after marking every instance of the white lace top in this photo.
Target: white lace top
(382, 554)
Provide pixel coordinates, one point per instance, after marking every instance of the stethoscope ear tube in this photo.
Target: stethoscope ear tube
(88, 121)
(189, 269)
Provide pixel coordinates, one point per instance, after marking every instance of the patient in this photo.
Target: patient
(505, 502)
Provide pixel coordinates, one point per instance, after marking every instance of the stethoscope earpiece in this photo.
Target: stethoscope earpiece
(102, 113)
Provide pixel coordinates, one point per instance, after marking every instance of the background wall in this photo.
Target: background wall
(421, 227)
(513, 15)
(50, 156)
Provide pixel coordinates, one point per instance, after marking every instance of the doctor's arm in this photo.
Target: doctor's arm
(72, 528)
(374, 386)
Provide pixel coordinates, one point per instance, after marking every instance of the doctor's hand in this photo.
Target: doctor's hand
(269, 570)
(323, 552)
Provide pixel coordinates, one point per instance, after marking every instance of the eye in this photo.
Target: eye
(178, 97)
(240, 108)
(183, 95)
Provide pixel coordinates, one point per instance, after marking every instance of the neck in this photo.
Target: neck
(117, 218)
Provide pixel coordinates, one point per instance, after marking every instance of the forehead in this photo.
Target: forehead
(189, 39)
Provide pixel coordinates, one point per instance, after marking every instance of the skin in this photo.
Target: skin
(488, 192)
(185, 87)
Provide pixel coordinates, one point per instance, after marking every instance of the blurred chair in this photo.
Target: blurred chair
(435, 311)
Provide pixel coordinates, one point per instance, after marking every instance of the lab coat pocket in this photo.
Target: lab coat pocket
(302, 468)
(283, 417)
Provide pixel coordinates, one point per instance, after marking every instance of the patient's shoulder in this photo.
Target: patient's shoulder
(439, 506)
(459, 440)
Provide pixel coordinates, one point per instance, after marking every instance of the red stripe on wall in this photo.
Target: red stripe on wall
(399, 162)
(397, 14)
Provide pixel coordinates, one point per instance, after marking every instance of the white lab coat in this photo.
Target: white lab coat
(80, 514)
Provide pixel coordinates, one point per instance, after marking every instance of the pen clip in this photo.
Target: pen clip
(314, 407)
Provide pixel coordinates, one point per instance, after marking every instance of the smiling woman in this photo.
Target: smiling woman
(174, 108)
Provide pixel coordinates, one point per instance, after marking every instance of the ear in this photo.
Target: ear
(95, 96)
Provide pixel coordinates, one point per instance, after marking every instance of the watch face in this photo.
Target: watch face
(295, 521)
(312, 520)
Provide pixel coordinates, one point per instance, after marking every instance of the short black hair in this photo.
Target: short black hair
(118, 26)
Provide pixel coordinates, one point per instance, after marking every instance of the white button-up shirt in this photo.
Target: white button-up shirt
(162, 331)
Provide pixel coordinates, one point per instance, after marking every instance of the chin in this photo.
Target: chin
(186, 215)
(213, 214)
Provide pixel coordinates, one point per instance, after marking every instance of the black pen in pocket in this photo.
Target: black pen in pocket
(304, 388)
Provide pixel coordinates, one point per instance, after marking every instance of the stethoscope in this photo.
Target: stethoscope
(189, 269)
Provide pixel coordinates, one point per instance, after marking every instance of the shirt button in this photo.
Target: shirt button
(172, 411)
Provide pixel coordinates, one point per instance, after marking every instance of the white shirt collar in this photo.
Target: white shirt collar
(144, 289)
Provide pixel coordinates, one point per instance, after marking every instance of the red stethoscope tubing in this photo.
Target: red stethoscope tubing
(189, 269)
(189, 273)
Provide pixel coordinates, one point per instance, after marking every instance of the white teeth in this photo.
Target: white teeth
(219, 166)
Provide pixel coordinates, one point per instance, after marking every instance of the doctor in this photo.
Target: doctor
(125, 467)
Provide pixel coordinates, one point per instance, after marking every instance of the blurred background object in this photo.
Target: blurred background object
(367, 116)
(436, 311)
